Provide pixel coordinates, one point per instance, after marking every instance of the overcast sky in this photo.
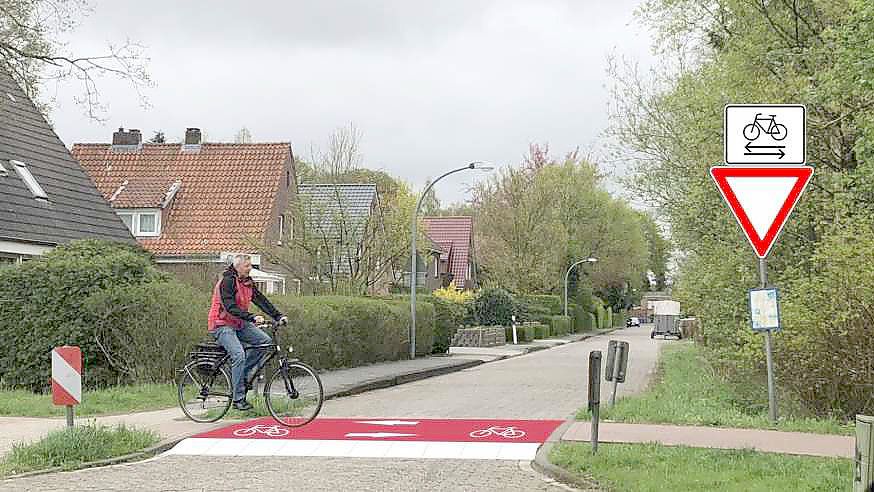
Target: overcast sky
(432, 85)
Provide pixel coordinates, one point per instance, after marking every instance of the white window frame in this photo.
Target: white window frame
(135, 219)
(29, 180)
(281, 230)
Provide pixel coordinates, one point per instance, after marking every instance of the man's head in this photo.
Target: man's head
(243, 265)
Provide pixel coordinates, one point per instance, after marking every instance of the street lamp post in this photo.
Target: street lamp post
(567, 274)
(472, 165)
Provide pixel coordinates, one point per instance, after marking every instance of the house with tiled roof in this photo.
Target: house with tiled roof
(451, 258)
(340, 221)
(195, 204)
(46, 198)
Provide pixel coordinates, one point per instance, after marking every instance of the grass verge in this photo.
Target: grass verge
(71, 448)
(688, 391)
(652, 467)
(116, 400)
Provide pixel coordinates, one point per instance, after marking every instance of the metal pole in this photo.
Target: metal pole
(769, 358)
(595, 394)
(69, 415)
(472, 165)
(566, 275)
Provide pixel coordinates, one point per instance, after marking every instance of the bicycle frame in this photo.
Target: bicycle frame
(277, 350)
(769, 130)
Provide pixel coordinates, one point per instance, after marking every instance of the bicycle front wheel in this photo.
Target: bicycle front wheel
(294, 394)
(204, 393)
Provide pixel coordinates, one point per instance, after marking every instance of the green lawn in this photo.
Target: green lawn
(70, 448)
(117, 400)
(651, 467)
(689, 392)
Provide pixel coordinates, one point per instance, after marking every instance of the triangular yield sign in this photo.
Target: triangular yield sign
(761, 198)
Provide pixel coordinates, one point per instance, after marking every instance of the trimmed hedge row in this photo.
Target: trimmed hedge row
(524, 333)
(560, 325)
(330, 332)
(135, 324)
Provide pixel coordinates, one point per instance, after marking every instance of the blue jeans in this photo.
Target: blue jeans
(242, 362)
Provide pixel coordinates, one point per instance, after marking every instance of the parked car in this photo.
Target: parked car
(633, 321)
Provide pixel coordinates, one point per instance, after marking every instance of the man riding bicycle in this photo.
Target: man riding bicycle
(232, 325)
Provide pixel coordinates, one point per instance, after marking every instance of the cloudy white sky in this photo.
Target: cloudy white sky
(432, 85)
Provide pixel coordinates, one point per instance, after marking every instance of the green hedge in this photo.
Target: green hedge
(541, 331)
(45, 307)
(493, 307)
(449, 316)
(333, 331)
(146, 331)
(523, 333)
(539, 307)
(136, 324)
(560, 325)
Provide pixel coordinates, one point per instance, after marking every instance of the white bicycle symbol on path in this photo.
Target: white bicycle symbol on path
(505, 432)
(267, 430)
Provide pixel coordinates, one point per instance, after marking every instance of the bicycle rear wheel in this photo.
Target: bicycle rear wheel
(294, 394)
(204, 394)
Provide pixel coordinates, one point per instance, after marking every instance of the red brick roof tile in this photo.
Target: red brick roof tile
(227, 191)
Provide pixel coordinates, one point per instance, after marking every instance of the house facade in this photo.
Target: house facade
(196, 204)
(451, 257)
(340, 224)
(46, 198)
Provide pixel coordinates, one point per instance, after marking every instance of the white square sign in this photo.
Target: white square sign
(765, 309)
(765, 134)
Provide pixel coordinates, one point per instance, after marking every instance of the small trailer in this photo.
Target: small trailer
(666, 316)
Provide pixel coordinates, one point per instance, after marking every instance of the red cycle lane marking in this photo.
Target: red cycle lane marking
(365, 429)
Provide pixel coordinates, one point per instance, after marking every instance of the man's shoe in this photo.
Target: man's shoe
(243, 405)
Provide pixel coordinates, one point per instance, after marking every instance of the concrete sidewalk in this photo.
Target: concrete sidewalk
(171, 424)
(797, 443)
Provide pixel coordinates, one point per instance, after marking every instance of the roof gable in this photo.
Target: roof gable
(226, 193)
(455, 236)
(74, 209)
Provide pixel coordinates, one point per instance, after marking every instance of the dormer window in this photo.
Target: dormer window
(142, 223)
(29, 180)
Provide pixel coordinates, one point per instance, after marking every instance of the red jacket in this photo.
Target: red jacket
(231, 298)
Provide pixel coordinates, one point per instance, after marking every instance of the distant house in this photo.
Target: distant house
(339, 222)
(451, 258)
(46, 198)
(196, 204)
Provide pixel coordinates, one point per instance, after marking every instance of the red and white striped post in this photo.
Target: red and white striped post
(67, 378)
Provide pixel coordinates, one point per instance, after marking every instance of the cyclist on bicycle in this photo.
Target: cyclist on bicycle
(232, 325)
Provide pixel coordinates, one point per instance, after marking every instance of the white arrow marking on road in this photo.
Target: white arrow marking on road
(386, 422)
(378, 434)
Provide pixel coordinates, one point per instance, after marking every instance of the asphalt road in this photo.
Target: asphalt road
(549, 384)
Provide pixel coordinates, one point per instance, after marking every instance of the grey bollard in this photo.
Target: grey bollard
(863, 479)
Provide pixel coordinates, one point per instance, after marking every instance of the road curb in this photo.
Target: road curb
(138, 456)
(407, 377)
(542, 464)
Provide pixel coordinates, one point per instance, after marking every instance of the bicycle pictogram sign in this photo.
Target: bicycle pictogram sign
(505, 432)
(267, 430)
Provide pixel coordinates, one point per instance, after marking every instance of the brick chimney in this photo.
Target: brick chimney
(131, 137)
(192, 136)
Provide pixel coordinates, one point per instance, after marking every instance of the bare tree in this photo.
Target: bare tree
(342, 155)
(32, 53)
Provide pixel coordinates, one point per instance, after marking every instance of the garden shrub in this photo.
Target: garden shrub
(560, 325)
(332, 331)
(494, 306)
(44, 306)
(449, 316)
(146, 331)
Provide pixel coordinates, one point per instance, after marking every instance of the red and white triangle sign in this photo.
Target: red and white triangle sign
(761, 198)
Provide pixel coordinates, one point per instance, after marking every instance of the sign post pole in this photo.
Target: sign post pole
(769, 357)
(595, 394)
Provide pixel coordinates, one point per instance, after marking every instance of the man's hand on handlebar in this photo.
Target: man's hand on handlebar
(282, 321)
(259, 320)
